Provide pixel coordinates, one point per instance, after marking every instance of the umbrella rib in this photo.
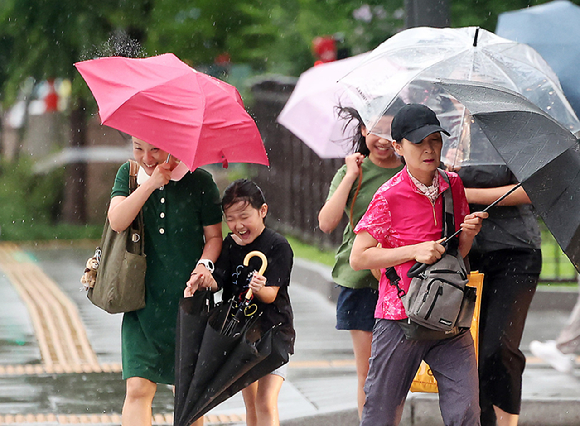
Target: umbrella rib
(139, 91)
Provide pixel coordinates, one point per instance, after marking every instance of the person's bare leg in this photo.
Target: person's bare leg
(361, 344)
(249, 395)
(266, 403)
(505, 419)
(138, 399)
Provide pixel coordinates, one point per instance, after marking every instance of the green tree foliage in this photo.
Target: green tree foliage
(484, 13)
(300, 21)
(200, 32)
(43, 38)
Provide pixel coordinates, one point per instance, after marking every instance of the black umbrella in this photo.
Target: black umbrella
(541, 153)
(212, 364)
(191, 322)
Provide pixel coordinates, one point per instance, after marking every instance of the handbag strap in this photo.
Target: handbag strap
(135, 237)
(133, 169)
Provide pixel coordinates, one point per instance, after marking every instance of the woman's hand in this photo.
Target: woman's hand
(429, 252)
(199, 278)
(331, 213)
(470, 228)
(161, 175)
(472, 223)
(192, 285)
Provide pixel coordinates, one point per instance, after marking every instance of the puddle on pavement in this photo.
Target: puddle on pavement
(71, 394)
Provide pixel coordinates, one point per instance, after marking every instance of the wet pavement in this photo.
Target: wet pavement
(41, 384)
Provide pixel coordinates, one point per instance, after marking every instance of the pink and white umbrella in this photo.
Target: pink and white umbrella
(311, 112)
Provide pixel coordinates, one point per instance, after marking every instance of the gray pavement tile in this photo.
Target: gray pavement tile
(17, 340)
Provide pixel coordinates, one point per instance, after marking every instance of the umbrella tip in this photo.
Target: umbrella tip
(475, 37)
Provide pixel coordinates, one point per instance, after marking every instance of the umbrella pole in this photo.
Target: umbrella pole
(486, 209)
(418, 267)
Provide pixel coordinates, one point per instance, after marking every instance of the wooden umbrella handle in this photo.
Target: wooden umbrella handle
(246, 262)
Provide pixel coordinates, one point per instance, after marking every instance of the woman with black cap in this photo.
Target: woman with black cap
(405, 217)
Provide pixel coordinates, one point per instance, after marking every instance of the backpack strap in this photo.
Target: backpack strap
(448, 216)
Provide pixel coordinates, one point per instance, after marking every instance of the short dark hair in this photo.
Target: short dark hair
(243, 190)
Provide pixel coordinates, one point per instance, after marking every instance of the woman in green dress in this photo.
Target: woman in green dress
(183, 235)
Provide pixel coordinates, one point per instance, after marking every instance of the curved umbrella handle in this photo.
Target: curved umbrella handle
(246, 262)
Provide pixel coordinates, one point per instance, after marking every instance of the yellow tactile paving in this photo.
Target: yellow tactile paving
(61, 335)
(107, 419)
(62, 340)
(35, 369)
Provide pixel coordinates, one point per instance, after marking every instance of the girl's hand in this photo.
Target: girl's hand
(472, 223)
(257, 282)
(429, 252)
(353, 163)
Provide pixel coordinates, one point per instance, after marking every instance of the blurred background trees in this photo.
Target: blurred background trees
(235, 40)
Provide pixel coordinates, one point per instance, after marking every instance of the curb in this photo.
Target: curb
(423, 410)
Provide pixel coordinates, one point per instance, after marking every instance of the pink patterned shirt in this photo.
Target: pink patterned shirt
(400, 215)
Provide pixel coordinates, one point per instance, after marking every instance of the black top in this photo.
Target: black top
(508, 227)
(232, 276)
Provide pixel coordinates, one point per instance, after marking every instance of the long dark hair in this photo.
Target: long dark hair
(358, 141)
(243, 190)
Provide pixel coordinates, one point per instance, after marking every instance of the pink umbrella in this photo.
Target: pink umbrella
(310, 113)
(161, 100)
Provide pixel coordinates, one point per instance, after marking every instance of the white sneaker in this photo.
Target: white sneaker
(548, 351)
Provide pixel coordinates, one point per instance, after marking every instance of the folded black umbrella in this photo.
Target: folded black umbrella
(542, 154)
(211, 367)
(191, 323)
(248, 362)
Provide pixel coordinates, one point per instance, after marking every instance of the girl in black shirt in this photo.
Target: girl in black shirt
(245, 209)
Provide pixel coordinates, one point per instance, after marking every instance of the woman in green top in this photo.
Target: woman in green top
(352, 188)
(182, 217)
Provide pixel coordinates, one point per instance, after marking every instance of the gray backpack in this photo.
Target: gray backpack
(436, 296)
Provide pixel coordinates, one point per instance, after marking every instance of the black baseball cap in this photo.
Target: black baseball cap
(415, 122)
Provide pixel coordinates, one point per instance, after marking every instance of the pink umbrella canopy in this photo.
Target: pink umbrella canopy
(196, 118)
(311, 110)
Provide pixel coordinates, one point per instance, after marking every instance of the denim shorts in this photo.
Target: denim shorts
(355, 308)
(281, 371)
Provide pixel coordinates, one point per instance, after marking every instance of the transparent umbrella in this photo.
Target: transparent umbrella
(407, 66)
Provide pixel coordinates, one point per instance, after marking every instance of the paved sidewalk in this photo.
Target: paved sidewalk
(321, 384)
